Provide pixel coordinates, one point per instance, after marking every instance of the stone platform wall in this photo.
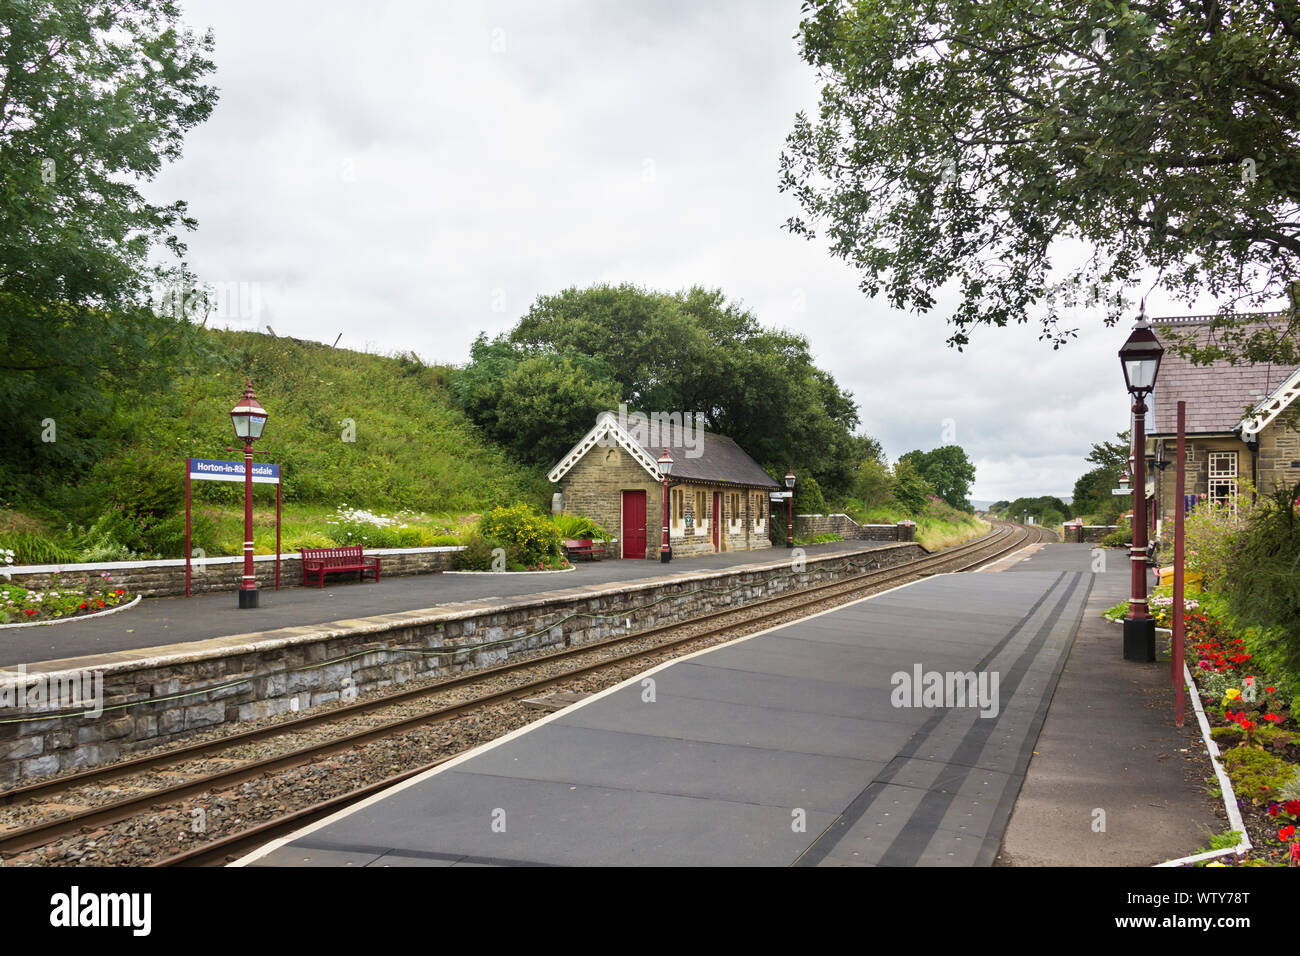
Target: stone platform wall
(163, 698)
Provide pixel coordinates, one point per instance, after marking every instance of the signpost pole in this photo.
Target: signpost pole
(277, 535)
(1180, 622)
(187, 527)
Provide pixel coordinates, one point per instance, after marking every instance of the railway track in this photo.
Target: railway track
(589, 660)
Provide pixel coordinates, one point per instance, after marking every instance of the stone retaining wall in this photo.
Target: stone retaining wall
(808, 526)
(183, 688)
(163, 578)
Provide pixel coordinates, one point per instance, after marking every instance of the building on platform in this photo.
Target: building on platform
(718, 495)
(1237, 423)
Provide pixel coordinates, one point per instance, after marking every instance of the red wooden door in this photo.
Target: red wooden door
(634, 524)
(717, 521)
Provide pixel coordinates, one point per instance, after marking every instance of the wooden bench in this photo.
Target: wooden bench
(583, 548)
(318, 562)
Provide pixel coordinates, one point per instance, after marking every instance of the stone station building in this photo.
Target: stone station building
(1239, 424)
(718, 495)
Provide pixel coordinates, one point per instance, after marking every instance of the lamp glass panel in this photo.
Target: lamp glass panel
(1141, 373)
(258, 423)
(241, 425)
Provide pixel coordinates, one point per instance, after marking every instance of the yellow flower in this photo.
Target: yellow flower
(1232, 694)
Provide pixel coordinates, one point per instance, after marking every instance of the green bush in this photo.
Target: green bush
(1119, 537)
(525, 528)
(577, 527)
(1262, 584)
(480, 551)
(808, 498)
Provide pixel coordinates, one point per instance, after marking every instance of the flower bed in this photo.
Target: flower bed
(1253, 721)
(63, 600)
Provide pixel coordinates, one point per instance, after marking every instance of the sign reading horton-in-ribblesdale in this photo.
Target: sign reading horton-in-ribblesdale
(210, 469)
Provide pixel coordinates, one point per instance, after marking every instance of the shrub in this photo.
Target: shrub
(808, 498)
(1119, 537)
(1213, 532)
(480, 551)
(525, 528)
(577, 527)
(1262, 579)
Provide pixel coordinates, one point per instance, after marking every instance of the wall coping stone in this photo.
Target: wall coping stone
(180, 562)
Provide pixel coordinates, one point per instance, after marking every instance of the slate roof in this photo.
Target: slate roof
(1218, 395)
(719, 459)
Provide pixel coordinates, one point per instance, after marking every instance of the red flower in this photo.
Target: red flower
(1271, 690)
(1292, 806)
(29, 612)
(1273, 718)
(1286, 833)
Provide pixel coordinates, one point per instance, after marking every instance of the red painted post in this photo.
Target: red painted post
(1180, 623)
(250, 577)
(1137, 608)
(277, 532)
(187, 526)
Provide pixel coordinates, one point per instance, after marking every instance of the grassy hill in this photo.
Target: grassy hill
(349, 428)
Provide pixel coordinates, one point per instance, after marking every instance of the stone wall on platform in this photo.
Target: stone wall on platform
(143, 702)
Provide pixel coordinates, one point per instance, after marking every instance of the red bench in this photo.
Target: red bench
(318, 562)
(583, 548)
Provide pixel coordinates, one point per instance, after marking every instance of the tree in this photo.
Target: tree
(1040, 509)
(1112, 455)
(873, 484)
(956, 141)
(1092, 491)
(694, 352)
(537, 403)
(948, 471)
(94, 96)
(910, 488)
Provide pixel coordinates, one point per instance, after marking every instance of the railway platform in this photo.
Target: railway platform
(817, 743)
(163, 622)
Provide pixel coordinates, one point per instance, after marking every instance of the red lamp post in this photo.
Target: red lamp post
(1140, 358)
(665, 469)
(249, 418)
(789, 508)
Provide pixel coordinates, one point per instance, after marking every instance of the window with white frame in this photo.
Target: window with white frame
(1223, 478)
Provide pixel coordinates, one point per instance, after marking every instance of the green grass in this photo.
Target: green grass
(348, 428)
(939, 526)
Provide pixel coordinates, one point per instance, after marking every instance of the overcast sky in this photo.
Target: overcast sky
(409, 174)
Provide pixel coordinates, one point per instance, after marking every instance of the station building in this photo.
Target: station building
(1237, 423)
(718, 495)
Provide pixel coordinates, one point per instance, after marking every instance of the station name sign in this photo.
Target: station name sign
(781, 495)
(208, 469)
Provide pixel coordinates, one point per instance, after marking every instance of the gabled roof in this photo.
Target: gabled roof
(698, 455)
(1217, 395)
(1271, 407)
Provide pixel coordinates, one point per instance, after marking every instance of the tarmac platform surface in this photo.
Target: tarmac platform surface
(782, 748)
(172, 620)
